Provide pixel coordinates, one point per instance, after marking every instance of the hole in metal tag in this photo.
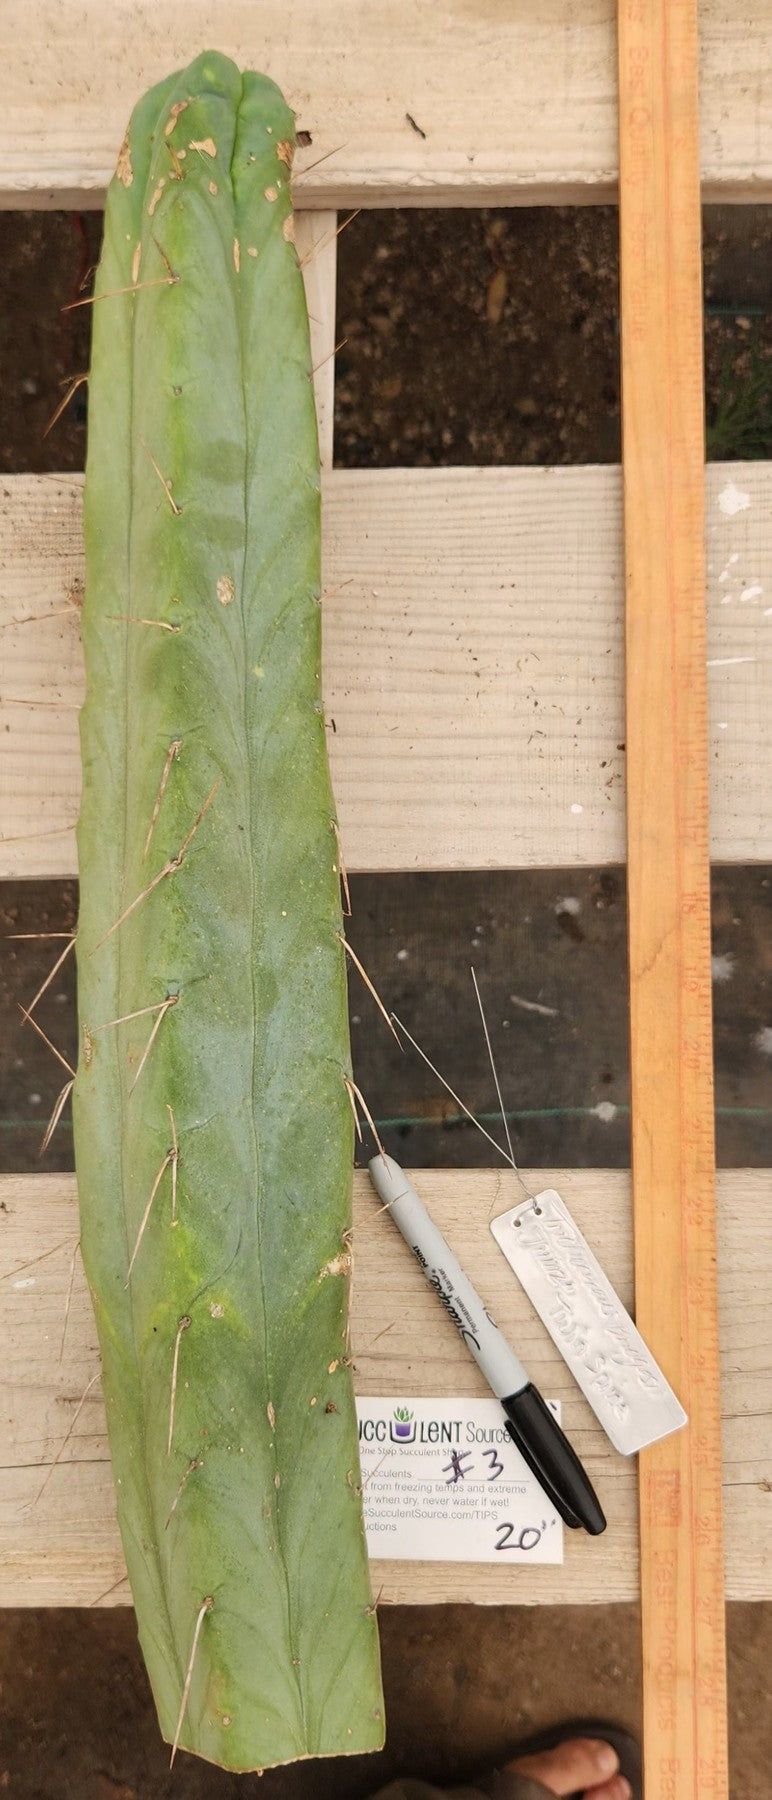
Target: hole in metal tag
(586, 1320)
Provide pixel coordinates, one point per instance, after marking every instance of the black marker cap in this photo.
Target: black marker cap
(546, 1449)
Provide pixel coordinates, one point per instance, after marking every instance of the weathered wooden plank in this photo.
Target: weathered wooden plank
(318, 251)
(473, 666)
(60, 1546)
(511, 104)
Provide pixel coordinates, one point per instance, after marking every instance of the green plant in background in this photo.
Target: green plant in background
(212, 1125)
(739, 424)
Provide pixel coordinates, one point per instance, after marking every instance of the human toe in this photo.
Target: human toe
(618, 1788)
(576, 1765)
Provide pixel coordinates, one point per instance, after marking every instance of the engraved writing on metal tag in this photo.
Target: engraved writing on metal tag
(587, 1321)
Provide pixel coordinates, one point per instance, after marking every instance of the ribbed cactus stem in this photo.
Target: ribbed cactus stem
(213, 1126)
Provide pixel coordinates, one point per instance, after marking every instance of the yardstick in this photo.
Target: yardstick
(682, 1584)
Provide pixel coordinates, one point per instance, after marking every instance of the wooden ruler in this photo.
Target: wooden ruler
(682, 1586)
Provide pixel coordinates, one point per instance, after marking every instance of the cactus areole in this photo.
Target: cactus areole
(213, 1127)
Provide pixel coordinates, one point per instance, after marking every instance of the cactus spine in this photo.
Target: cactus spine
(213, 1128)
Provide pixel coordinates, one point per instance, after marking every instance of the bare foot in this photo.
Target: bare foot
(580, 1765)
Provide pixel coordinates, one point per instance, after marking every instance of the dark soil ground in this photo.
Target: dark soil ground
(541, 936)
(471, 337)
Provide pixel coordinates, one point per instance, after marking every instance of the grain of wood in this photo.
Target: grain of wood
(546, 131)
(473, 666)
(66, 1551)
(668, 884)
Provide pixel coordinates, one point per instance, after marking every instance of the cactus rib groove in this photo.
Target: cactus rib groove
(213, 1131)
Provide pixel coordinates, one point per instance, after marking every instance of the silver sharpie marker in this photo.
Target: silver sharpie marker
(528, 1420)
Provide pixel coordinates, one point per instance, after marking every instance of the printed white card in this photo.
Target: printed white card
(443, 1482)
(587, 1321)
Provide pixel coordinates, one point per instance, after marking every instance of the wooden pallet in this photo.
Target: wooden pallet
(63, 1549)
(446, 573)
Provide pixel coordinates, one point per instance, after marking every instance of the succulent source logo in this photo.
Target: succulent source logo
(402, 1426)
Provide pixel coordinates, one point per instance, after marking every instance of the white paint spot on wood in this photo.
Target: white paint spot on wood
(402, 955)
(28, 1282)
(606, 1111)
(576, 808)
(723, 662)
(763, 1040)
(722, 967)
(754, 592)
(733, 499)
(568, 903)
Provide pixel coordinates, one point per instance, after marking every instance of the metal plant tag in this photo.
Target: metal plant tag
(587, 1321)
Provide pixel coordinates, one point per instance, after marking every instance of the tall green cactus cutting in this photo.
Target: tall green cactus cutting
(213, 1127)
